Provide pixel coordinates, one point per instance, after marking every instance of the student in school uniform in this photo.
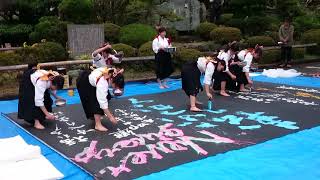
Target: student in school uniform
(224, 78)
(35, 103)
(103, 56)
(245, 58)
(191, 73)
(94, 94)
(164, 67)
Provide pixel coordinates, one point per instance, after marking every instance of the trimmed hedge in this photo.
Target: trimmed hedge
(312, 36)
(136, 34)
(128, 51)
(298, 53)
(205, 28)
(261, 40)
(9, 58)
(146, 49)
(8, 77)
(111, 32)
(274, 55)
(270, 56)
(184, 55)
(225, 35)
(43, 52)
(224, 18)
(16, 35)
(273, 34)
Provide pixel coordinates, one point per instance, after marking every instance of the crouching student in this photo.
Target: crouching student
(225, 79)
(35, 103)
(191, 73)
(103, 56)
(94, 94)
(245, 58)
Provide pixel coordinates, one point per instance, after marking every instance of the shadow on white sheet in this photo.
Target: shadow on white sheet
(18, 160)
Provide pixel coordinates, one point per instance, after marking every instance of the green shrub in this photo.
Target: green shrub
(43, 52)
(77, 11)
(273, 34)
(136, 34)
(51, 29)
(256, 25)
(224, 18)
(9, 58)
(225, 35)
(261, 40)
(15, 34)
(184, 55)
(146, 49)
(237, 23)
(205, 28)
(305, 23)
(7, 77)
(203, 46)
(298, 53)
(172, 33)
(127, 50)
(270, 56)
(312, 36)
(111, 32)
(52, 51)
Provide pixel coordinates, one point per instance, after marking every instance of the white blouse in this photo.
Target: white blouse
(159, 42)
(100, 61)
(97, 80)
(247, 58)
(207, 69)
(40, 86)
(226, 56)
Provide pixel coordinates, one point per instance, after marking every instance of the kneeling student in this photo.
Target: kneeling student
(35, 103)
(191, 73)
(94, 94)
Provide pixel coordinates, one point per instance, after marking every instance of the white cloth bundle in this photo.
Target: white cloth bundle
(275, 73)
(18, 160)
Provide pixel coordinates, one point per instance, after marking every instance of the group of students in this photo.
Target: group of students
(37, 86)
(227, 70)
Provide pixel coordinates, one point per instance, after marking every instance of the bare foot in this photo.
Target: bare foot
(195, 109)
(224, 94)
(100, 128)
(199, 103)
(165, 86)
(38, 125)
(161, 87)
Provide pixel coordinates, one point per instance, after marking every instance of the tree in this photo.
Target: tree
(28, 11)
(77, 11)
(7, 9)
(110, 10)
(288, 8)
(243, 8)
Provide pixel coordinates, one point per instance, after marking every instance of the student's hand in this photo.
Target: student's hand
(50, 116)
(209, 95)
(233, 77)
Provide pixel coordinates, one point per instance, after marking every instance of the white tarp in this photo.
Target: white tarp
(18, 160)
(275, 73)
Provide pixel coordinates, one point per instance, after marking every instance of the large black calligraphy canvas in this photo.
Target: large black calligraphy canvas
(157, 131)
